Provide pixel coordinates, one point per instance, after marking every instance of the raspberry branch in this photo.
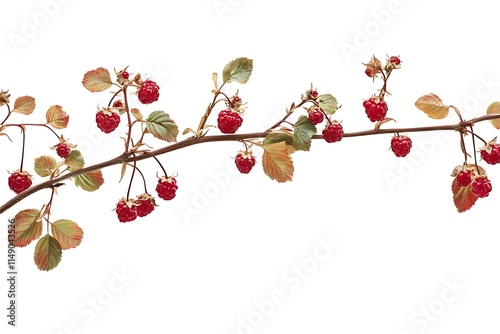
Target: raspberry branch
(129, 157)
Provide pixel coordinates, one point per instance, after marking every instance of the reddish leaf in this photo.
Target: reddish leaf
(48, 253)
(28, 227)
(463, 197)
(97, 80)
(57, 117)
(24, 105)
(276, 161)
(67, 232)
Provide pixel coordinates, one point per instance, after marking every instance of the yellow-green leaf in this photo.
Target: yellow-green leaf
(277, 162)
(160, 125)
(28, 227)
(90, 181)
(44, 165)
(493, 109)
(97, 80)
(57, 117)
(67, 232)
(238, 70)
(48, 253)
(137, 114)
(74, 160)
(432, 105)
(328, 103)
(24, 105)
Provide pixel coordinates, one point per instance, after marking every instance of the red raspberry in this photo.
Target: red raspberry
(493, 157)
(125, 75)
(19, 181)
(124, 212)
(368, 72)
(149, 92)
(229, 121)
(316, 116)
(244, 162)
(118, 104)
(166, 188)
(63, 150)
(333, 132)
(375, 111)
(481, 186)
(401, 145)
(464, 178)
(107, 122)
(395, 60)
(144, 205)
(314, 93)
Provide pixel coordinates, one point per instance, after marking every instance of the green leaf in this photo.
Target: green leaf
(302, 135)
(238, 70)
(90, 181)
(493, 109)
(24, 105)
(162, 126)
(277, 162)
(44, 165)
(463, 197)
(48, 253)
(67, 233)
(276, 137)
(328, 103)
(57, 117)
(97, 80)
(74, 160)
(28, 227)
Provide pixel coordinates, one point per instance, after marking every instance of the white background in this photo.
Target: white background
(204, 271)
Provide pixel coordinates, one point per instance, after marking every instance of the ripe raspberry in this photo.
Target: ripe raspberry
(375, 111)
(19, 181)
(166, 188)
(124, 212)
(125, 75)
(316, 116)
(229, 121)
(401, 145)
(333, 132)
(144, 205)
(63, 150)
(464, 178)
(481, 186)
(244, 162)
(108, 121)
(493, 157)
(395, 60)
(149, 92)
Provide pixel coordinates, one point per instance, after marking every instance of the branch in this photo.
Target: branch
(128, 157)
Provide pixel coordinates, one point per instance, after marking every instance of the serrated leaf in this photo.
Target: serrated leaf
(238, 70)
(97, 80)
(494, 108)
(90, 181)
(137, 114)
(57, 117)
(28, 227)
(302, 135)
(162, 126)
(48, 253)
(463, 197)
(24, 105)
(432, 105)
(44, 165)
(328, 103)
(74, 160)
(277, 162)
(67, 233)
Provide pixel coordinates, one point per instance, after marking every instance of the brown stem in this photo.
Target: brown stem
(129, 157)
